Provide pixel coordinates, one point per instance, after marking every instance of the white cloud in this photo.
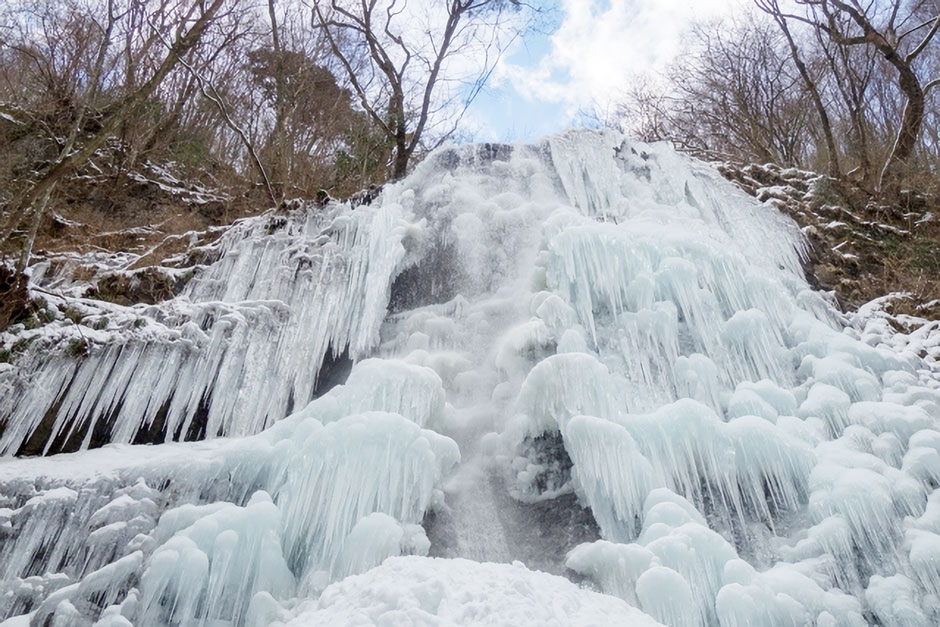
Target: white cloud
(600, 44)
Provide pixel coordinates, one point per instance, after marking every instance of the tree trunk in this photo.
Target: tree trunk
(280, 173)
(834, 170)
(14, 297)
(861, 146)
(402, 148)
(908, 132)
(400, 165)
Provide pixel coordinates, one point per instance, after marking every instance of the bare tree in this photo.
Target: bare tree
(83, 139)
(732, 95)
(901, 40)
(840, 86)
(853, 71)
(211, 93)
(399, 69)
(280, 108)
(772, 8)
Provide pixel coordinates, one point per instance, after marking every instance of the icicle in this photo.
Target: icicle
(244, 341)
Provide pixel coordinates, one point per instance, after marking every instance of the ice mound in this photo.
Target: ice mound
(682, 573)
(428, 591)
(286, 511)
(584, 323)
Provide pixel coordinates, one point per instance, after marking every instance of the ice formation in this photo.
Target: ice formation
(583, 323)
(236, 351)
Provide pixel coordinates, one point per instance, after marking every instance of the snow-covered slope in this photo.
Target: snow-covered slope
(593, 357)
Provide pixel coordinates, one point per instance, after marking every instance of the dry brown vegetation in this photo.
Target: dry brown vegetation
(860, 248)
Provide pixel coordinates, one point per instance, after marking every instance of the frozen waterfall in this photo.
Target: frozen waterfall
(520, 369)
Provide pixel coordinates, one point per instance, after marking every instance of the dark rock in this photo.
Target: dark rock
(14, 298)
(149, 285)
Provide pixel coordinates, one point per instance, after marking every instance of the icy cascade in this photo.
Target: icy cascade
(586, 318)
(283, 512)
(237, 350)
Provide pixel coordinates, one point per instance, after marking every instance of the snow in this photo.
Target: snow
(533, 330)
(427, 591)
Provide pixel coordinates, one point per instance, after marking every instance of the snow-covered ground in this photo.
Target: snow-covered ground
(582, 323)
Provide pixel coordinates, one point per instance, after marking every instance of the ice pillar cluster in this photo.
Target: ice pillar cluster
(585, 316)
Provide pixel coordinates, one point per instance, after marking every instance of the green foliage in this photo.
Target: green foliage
(824, 192)
(77, 347)
(20, 345)
(73, 313)
(309, 89)
(918, 252)
(31, 322)
(925, 255)
(363, 159)
(45, 316)
(36, 315)
(190, 151)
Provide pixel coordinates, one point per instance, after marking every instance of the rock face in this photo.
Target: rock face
(148, 285)
(593, 357)
(14, 297)
(859, 248)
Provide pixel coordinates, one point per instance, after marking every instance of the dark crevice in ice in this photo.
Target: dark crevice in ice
(476, 157)
(198, 425)
(430, 282)
(548, 452)
(335, 370)
(36, 443)
(539, 534)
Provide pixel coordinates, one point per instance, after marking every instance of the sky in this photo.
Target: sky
(582, 62)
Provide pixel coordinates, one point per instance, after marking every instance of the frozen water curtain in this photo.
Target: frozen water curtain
(588, 357)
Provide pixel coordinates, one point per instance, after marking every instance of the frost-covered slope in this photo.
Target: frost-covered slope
(236, 351)
(583, 323)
